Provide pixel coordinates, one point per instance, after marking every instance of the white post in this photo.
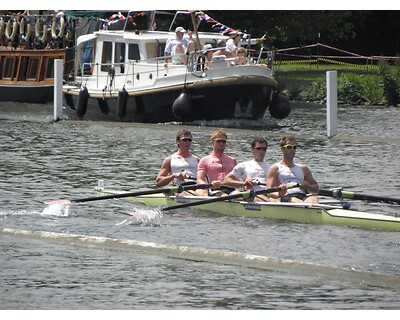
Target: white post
(331, 103)
(58, 85)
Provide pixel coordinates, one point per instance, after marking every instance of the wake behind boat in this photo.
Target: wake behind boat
(302, 213)
(120, 75)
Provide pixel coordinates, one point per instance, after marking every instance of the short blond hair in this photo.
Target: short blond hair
(218, 133)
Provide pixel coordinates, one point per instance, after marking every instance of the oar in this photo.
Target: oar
(249, 194)
(339, 193)
(171, 189)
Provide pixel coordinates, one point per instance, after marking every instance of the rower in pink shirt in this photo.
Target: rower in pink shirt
(214, 167)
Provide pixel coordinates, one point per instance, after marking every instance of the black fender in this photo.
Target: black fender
(279, 106)
(122, 103)
(183, 107)
(82, 102)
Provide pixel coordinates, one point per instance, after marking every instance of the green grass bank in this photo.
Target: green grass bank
(357, 85)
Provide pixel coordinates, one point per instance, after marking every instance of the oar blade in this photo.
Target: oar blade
(59, 202)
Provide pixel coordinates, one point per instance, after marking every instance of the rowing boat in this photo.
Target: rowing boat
(302, 213)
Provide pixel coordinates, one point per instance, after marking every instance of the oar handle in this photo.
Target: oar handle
(245, 194)
(248, 194)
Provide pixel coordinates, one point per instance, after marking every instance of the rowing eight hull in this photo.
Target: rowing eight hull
(312, 214)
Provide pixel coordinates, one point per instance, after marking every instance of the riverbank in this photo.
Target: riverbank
(357, 85)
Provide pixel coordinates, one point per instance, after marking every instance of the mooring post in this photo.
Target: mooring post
(331, 103)
(58, 84)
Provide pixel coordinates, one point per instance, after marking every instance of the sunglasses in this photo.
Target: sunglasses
(220, 140)
(186, 139)
(261, 148)
(289, 146)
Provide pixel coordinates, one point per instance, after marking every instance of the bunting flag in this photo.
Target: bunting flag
(216, 26)
(115, 18)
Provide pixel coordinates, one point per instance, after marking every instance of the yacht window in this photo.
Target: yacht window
(106, 56)
(119, 57)
(155, 50)
(134, 53)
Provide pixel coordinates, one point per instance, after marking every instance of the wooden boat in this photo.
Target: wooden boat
(127, 81)
(28, 47)
(302, 213)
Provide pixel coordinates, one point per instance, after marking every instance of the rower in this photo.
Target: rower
(251, 174)
(180, 168)
(214, 167)
(287, 171)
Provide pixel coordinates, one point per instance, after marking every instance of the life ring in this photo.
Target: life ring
(58, 28)
(70, 27)
(25, 30)
(11, 30)
(40, 33)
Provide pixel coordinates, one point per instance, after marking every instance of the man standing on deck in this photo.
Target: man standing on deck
(251, 174)
(287, 171)
(214, 167)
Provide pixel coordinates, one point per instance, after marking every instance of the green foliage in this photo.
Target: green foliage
(350, 89)
(316, 92)
(355, 86)
(369, 32)
(391, 83)
(372, 89)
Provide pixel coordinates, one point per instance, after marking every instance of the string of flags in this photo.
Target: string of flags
(215, 25)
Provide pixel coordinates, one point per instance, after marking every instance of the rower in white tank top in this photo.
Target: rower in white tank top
(187, 165)
(287, 175)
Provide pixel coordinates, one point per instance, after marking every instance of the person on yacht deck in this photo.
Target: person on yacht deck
(178, 46)
(221, 50)
(233, 42)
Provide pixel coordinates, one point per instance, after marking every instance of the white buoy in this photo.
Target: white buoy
(58, 84)
(331, 103)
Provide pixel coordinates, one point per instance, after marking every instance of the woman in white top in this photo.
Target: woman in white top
(181, 166)
(233, 42)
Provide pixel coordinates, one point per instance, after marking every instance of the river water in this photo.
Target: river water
(49, 261)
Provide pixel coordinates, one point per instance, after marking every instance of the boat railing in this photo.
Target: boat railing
(129, 72)
(146, 72)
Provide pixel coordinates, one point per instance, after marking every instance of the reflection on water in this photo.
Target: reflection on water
(42, 160)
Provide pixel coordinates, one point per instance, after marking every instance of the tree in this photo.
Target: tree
(369, 32)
